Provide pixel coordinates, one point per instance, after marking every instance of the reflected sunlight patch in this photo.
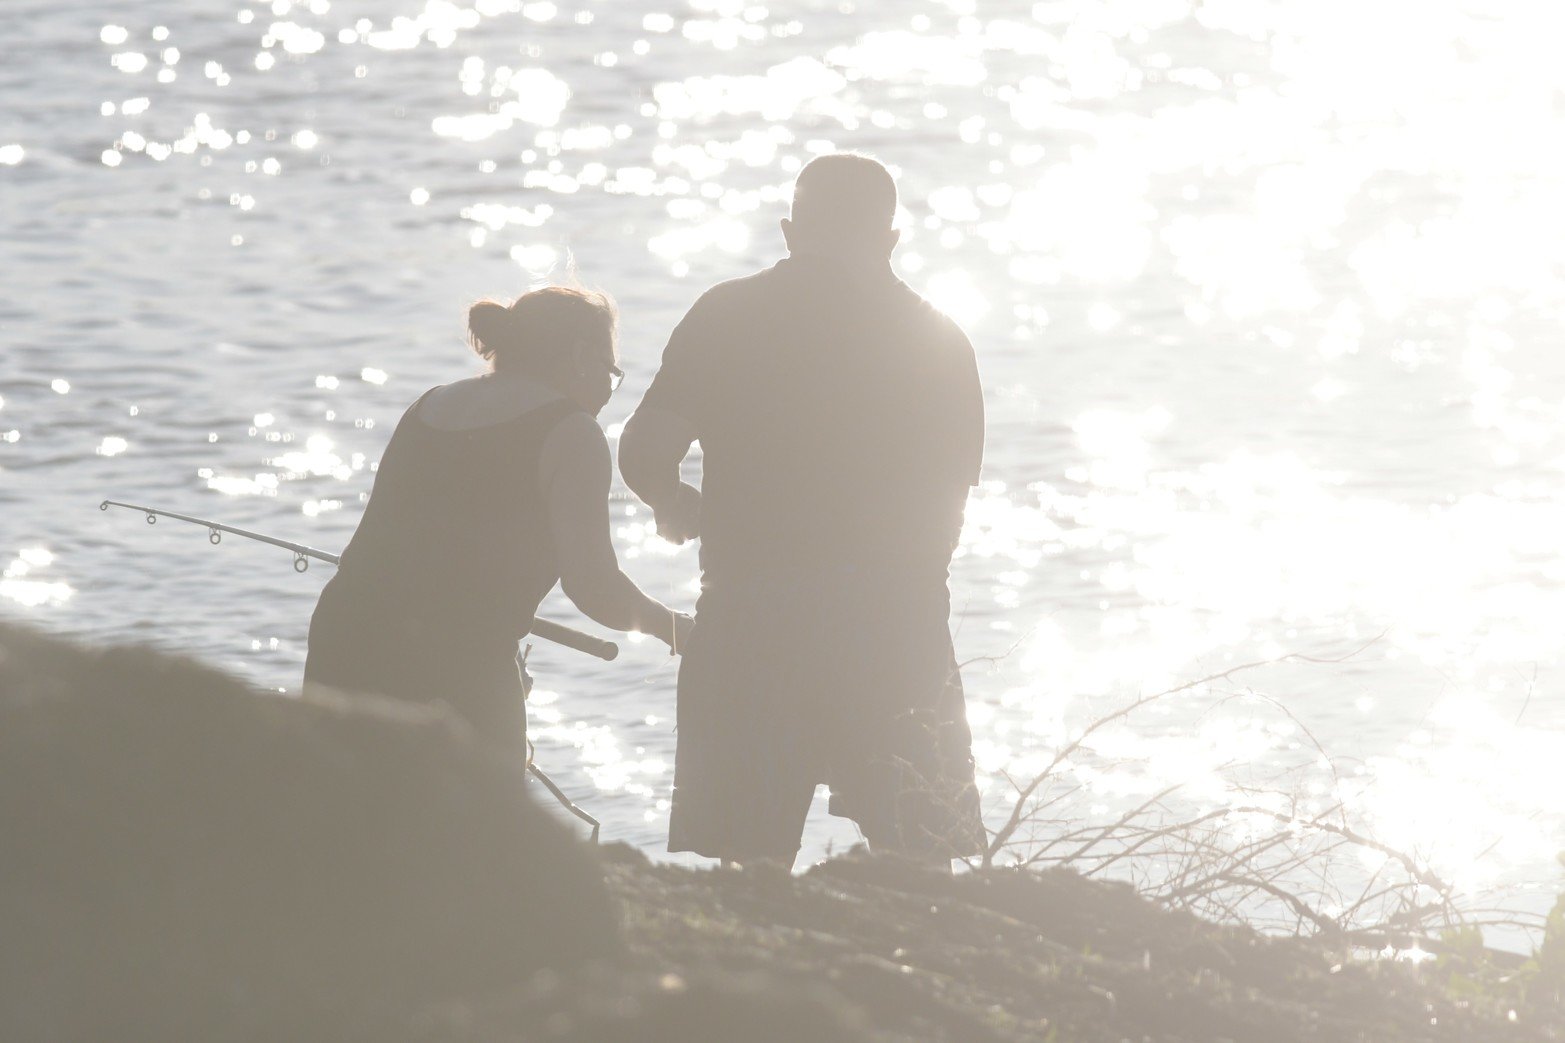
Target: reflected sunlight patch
(1092, 215)
(540, 99)
(723, 233)
(1239, 264)
(15, 584)
(316, 460)
(599, 754)
(900, 55)
(955, 294)
(1469, 793)
(538, 259)
(495, 216)
(800, 84)
(233, 485)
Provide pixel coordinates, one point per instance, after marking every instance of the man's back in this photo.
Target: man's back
(840, 419)
(841, 425)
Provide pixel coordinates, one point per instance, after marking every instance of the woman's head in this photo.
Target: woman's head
(561, 335)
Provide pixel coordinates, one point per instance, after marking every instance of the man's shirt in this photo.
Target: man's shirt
(840, 418)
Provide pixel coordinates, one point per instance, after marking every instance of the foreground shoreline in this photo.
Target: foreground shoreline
(1003, 955)
(188, 858)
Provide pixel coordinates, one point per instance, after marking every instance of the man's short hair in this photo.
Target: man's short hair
(844, 194)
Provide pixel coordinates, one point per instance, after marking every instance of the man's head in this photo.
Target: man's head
(843, 204)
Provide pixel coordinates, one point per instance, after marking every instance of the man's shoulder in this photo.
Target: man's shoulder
(771, 288)
(928, 317)
(737, 292)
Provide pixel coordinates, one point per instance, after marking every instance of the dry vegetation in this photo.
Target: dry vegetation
(1272, 853)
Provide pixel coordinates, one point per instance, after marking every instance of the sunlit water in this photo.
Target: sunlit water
(1266, 298)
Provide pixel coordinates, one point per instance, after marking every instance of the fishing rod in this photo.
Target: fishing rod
(558, 633)
(549, 631)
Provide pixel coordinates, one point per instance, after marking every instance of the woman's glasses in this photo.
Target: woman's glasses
(616, 377)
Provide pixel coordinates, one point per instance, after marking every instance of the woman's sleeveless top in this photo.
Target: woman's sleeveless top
(456, 532)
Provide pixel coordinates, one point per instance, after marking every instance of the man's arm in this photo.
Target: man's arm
(968, 403)
(651, 448)
(668, 420)
(966, 433)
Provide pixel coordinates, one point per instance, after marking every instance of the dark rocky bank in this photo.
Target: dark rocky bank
(187, 859)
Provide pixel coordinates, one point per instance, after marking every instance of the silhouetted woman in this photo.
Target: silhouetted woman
(491, 490)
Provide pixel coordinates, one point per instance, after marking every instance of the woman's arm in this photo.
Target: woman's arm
(576, 471)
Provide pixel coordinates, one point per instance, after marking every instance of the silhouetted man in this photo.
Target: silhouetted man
(841, 425)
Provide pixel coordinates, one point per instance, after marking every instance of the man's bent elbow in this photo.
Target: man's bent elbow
(635, 461)
(650, 449)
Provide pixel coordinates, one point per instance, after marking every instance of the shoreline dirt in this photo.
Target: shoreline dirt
(1012, 955)
(186, 858)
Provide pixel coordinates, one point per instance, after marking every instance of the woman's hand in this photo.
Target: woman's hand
(684, 625)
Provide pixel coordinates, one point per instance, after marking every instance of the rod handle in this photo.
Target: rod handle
(572, 638)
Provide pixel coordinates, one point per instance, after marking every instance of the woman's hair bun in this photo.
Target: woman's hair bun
(491, 328)
(540, 325)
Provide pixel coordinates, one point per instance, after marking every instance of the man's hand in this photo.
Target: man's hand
(679, 518)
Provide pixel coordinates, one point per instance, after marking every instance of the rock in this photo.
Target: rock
(184, 858)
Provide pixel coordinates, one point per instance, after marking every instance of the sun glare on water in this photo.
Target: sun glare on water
(1265, 299)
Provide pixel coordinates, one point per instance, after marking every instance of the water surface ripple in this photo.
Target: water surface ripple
(1266, 297)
